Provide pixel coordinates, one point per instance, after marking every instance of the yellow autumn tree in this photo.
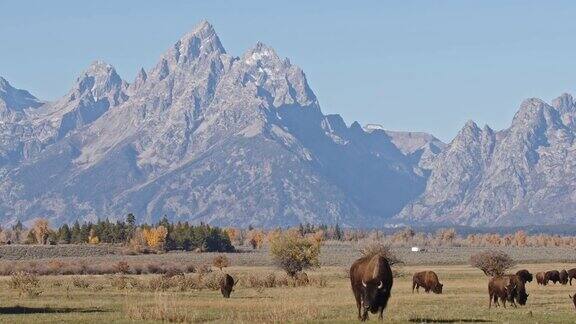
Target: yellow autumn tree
(256, 238)
(41, 230)
(232, 233)
(92, 237)
(155, 237)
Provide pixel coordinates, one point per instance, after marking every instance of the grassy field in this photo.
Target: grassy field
(327, 300)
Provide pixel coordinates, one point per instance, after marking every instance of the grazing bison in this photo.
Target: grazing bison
(509, 288)
(552, 275)
(226, 285)
(524, 275)
(541, 278)
(427, 280)
(371, 280)
(571, 275)
(563, 278)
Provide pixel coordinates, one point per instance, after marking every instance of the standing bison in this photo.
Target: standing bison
(552, 275)
(541, 278)
(563, 279)
(371, 280)
(226, 285)
(509, 288)
(571, 275)
(524, 275)
(427, 280)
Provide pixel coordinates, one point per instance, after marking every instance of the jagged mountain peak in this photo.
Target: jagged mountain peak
(3, 83)
(283, 83)
(470, 130)
(260, 53)
(99, 79)
(13, 99)
(201, 42)
(564, 103)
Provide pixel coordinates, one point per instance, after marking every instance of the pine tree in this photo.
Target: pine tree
(76, 233)
(64, 234)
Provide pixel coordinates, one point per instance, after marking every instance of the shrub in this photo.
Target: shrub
(294, 253)
(25, 283)
(211, 281)
(491, 262)
(172, 271)
(204, 268)
(221, 261)
(371, 247)
(80, 282)
(301, 279)
(160, 283)
(185, 283)
(122, 282)
(154, 268)
(122, 267)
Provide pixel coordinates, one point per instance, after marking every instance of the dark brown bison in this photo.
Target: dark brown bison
(371, 280)
(226, 285)
(427, 280)
(573, 299)
(552, 275)
(524, 275)
(571, 275)
(509, 288)
(541, 278)
(563, 278)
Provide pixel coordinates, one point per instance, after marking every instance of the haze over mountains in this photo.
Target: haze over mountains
(204, 136)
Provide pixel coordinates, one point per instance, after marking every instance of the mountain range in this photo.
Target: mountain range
(204, 136)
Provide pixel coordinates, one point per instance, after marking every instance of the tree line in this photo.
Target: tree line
(162, 236)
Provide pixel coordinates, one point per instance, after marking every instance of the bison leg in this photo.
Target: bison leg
(364, 315)
(489, 301)
(570, 281)
(414, 284)
(359, 305)
(381, 310)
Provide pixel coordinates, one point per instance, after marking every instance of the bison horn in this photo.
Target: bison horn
(363, 283)
(380, 285)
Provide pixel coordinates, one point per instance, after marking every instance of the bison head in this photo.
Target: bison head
(438, 288)
(372, 291)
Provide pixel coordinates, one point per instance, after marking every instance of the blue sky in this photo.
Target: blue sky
(408, 65)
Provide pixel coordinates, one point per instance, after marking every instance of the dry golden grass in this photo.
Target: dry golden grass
(465, 299)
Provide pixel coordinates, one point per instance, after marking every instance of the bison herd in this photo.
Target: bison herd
(564, 277)
(371, 280)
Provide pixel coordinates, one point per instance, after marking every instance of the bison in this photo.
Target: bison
(541, 278)
(563, 278)
(571, 275)
(371, 280)
(573, 298)
(427, 280)
(552, 275)
(226, 285)
(524, 275)
(509, 288)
